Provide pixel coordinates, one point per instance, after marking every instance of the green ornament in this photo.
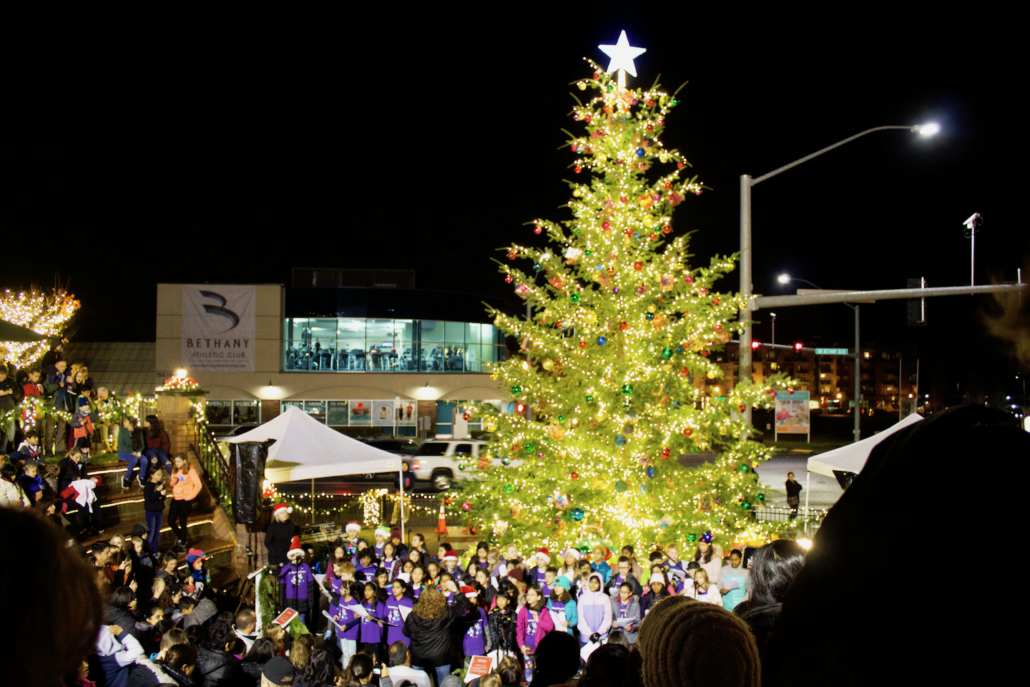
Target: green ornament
(588, 253)
(673, 102)
(575, 229)
(577, 514)
(537, 267)
(589, 399)
(744, 467)
(761, 497)
(627, 389)
(529, 446)
(574, 298)
(692, 537)
(561, 418)
(516, 390)
(649, 316)
(461, 466)
(506, 461)
(508, 488)
(745, 506)
(666, 353)
(620, 486)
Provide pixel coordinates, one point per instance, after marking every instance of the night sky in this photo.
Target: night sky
(151, 147)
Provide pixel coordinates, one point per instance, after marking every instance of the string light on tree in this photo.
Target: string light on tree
(618, 376)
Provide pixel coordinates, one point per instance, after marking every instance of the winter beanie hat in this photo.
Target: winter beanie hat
(684, 643)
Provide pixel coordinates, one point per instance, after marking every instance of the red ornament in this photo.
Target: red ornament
(666, 229)
(680, 165)
(741, 408)
(790, 390)
(557, 325)
(623, 326)
(716, 302)
(704, 353)
(628, 232)
(577, 169)
(607, 109)
(638, 266)
(688, 279)
(537, 230)
(511, 255)
(582, 344)
(652, 236)
(606, 226)
(515, 448)
(684, 372)
(574, 475)
(650, 103)
(587, 119)
(597, 76)
(624, 199)
(666, 452)
(717, 325)
(649, 127)
(508, 279)
(687, 432)
(448, 501)
(703, 291)
(668, 185)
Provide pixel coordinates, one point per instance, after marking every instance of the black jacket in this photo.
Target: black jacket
(277, 541)
(153, 500)
(793, 488)
(123, 618)
(70, 471)
(501, 628)
(146, 673)
(218, 669)
(432, 642)
(253, 671)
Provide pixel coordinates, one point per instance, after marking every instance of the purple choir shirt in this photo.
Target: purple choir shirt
(378, 548)
(335, 587)
(297, 579)
(541, 575)
(474, 641)
(416, 591)
(531, 625)
(344, 616)
(393, 614)
(368, 570)
(371, 633)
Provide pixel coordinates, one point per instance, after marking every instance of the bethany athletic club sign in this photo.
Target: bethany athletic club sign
(218, 328)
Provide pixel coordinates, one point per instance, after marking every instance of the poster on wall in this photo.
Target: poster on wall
(360, 413)
(406, 411)
(382, 413)
(793, 415)
(338, 413)
(218, 327)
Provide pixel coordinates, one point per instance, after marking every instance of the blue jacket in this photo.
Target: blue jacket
(570, 614)
(604, 569)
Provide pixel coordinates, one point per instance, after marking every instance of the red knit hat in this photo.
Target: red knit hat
(295, 547)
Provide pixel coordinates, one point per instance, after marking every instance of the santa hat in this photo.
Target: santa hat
(279, 507)
(450, 556)
(606, 550)
(543, 555)
(295, 547)
(468, 591)
(383, 531)
(352, 527)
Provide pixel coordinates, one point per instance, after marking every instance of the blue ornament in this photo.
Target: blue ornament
(675, 404)
(679, 349)
(643, 488)
(620, 440)
(601, 341)
(636, 235)
(577, 514)
(650, 472)
(599, 267)
(707, 537)
(640, 152)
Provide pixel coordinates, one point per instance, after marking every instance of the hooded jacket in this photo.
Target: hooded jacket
(594, 609)
(185, 486)
(218, 669)
(544, 624)
(116, 655)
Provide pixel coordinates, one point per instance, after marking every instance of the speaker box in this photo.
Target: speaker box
(249, 469)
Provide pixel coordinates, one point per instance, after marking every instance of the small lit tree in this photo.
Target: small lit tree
(44, 313)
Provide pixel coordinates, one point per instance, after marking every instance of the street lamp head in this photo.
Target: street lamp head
(783, 278)
(927, 130)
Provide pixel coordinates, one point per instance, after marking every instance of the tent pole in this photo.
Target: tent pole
(400, 493)
(312, 500)
(808, 480)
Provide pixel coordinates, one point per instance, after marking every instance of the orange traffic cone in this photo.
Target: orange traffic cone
(441, 524)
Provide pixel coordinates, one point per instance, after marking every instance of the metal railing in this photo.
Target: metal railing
(217, 470)
(806, 519)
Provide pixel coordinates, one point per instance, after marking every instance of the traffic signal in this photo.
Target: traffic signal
(755, 345)
(798, 347)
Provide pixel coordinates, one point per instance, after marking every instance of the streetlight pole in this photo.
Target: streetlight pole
(773, 316)
(746, 182)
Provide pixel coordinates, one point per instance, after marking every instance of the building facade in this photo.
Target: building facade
(364, 360)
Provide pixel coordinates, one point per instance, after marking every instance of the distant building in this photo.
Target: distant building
(829, 378)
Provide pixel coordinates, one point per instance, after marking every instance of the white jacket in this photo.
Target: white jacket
(11, 495)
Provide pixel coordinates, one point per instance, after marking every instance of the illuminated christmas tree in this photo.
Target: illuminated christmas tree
(44, 313)
(613, 364)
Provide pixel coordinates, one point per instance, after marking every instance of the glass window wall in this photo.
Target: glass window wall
(379, 345)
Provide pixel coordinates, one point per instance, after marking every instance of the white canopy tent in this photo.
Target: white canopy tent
(305, 448)
(852, 458)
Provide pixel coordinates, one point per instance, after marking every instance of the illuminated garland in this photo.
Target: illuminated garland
(46, 314)
(614, 360)
(178, 384)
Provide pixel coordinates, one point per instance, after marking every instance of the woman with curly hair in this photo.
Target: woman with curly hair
(429, 627)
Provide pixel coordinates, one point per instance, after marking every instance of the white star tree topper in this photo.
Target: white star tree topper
(622, 54)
